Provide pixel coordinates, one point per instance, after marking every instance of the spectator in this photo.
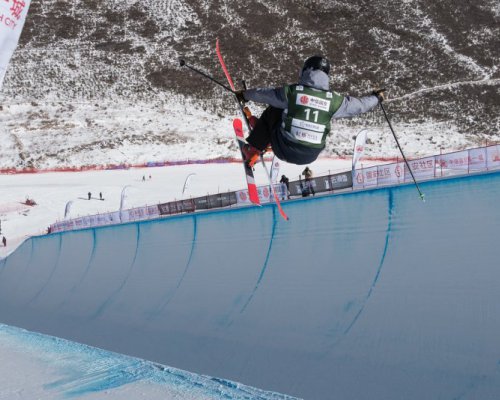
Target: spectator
(307, 188)
(4, 241)
(284, 180)
(90, 195)
(100, 196)
(307, 174)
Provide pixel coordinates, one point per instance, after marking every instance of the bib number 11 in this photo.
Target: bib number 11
(308, 114)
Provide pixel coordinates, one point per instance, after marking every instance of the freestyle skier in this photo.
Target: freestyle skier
(298, 119)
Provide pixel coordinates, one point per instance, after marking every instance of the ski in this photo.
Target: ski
(252, 187)
(242, 109)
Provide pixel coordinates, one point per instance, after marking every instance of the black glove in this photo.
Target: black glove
(240, 95)
(380, 94)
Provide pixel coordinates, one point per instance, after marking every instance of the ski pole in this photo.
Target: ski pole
(401, 150)
(183, 64)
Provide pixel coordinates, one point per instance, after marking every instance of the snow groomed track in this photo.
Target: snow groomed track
(362, 295)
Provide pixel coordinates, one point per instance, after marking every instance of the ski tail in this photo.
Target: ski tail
(242, 108)
(252, 187)
(223, 65)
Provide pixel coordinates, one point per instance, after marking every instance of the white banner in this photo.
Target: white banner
(366, 177)
(275, 169)
(493, 156)
(265, 195)
(477, 159)
(423, 168)
(391, 174)
(12, 16)
(186, 182)
(359, 147)
(453, 161)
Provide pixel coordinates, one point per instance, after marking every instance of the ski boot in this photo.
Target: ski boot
(250, 154)
(252, 119)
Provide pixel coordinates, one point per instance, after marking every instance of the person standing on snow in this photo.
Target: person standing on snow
(308, 174)
(307, 188)
(298, 118)
(285, 181)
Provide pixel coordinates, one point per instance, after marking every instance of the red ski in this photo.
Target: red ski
(238, 128)
(252, 188)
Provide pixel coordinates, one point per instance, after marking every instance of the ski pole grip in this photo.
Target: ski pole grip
(182, 63)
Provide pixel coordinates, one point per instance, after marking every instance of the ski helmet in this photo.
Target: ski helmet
(317, 62)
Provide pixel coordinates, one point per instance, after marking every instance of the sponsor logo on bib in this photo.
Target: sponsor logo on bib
(313, 102)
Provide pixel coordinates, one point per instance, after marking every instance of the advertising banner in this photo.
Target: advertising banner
(12, 16)
(453, 161)
(366, 177)
(275, 169)
(263, 191)
(477, 159)
(486, 158)
(423, 168)
(340, 181)
(493, 157)
(390, 174)
(176, 207)
(380, 175)
(221, 200)
(359, 147)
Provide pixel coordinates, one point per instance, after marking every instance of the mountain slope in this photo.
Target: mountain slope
(92, 79)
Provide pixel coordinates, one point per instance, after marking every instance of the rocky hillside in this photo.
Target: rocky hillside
(92, 79)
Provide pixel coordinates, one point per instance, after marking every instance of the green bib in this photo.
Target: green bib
(307, 119)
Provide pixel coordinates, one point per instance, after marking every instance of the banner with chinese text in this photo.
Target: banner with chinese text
(12, 16)
(493, 157)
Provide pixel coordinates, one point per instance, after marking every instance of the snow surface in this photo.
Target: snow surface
(36, 366)
(369, 294)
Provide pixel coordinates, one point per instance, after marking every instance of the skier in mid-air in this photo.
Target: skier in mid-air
(298, 119)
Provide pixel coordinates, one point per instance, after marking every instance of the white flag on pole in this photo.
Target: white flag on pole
(275, 169)
(12, 16)
(359, 147)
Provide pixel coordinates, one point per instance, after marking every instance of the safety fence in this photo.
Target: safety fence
(461, 162)
(83, 168)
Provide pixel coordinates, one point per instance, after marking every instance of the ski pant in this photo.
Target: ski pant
(260, 137)
(268, 131)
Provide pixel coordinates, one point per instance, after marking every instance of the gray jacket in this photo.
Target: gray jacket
(284, 146)
(275, 97)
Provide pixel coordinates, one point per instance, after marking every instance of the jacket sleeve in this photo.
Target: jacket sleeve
(273, 96)
(352, 106)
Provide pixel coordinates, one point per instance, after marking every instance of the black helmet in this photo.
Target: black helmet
(317, 62)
